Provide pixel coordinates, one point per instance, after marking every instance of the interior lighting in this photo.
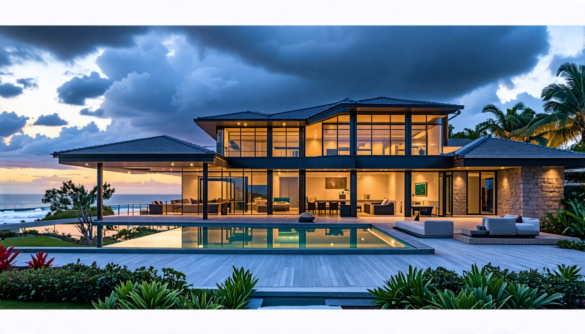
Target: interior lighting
(283, 124)
(172, 163)
(87, 164)
(191, 164)
(238, 123)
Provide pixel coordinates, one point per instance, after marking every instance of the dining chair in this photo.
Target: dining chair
(311, 207)
(333, 206)
(322, 206)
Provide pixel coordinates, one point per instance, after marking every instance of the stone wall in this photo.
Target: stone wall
(530, 191)
(459, 193)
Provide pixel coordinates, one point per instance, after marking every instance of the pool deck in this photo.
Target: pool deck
(329, 274)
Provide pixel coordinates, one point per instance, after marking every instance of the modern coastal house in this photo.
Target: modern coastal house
(379, 156)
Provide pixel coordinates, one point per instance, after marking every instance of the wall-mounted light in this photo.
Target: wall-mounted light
(191, 164)
(171, 169)
(238, 123)
(283, 124)
(245, 124)
(172, 163)
(86, 164)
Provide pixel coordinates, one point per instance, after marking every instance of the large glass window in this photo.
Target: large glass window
(285, 142)
(242, 142)
(330, 137)
(375, 187)
(380, 135)
(285, 192)
(314, 140)
(427, 134)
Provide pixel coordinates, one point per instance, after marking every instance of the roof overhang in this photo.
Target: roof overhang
(142, 163)
(462, 161)
(210, 125)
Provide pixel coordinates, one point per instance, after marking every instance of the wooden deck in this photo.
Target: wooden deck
(331, 272)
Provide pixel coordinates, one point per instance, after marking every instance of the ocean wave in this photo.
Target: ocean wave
(16, 215)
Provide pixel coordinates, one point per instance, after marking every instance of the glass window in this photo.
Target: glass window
(343, 139)
(329, 139)
(285, 142)
(435, 135)
(242, 142)
(331, 120)
(313, 140)
(233, 142)
(343, 119)
(397, 146)
(364, 118)
(419, 140)
(419, 118)
(380, 118)
(286, 193)
(261, 142)
(398, 119)
(219, 143)
(364, 140)
(248, 144)
(381, 139)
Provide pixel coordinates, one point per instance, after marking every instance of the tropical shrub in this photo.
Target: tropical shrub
(568, 221)
(6, 257)
(235, 292)
(7, 234)
(488, 288)
(442, 279)
(80, 283)
(40, 261)
(137, 232)
(580, 245)
(403, 291)
(200, 301)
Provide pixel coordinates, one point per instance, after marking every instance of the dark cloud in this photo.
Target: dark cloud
(50, 120)
(97, 113)
(76, 90)
(15, 52)
(67, 43)
(28, 82)
(8, 90)
(11, 123)
(5, 73)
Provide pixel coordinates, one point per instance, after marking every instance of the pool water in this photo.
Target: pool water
(265, 238)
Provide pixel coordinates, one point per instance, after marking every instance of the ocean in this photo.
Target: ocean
(17, 207)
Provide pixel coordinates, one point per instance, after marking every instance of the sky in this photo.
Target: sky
(68, 87)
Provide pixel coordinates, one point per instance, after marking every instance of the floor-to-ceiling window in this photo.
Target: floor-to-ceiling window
(374, 187)
(242, 142)
(327, 191)
(481, 193)
(380, 134)
(285, 192)
(427, 134)
(285, 142)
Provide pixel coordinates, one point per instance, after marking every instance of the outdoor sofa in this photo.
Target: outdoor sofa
(507, 226)
(427, 228)
(384, 208)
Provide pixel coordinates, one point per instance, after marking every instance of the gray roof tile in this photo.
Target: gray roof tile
(304, 113)
(151, 145)
(487, 147)
(459, 142)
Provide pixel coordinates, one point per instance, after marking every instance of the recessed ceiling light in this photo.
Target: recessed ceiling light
(238, 123)
(191, 164)
(283, 123)
(172, 164)
(86, 164)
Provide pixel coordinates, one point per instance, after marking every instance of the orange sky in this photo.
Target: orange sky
(37, 180)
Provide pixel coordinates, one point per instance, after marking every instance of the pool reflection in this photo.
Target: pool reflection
(239, 237)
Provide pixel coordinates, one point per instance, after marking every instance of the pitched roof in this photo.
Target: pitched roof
(151, 145)
(304, 113)
(459, 142)
(488, 147)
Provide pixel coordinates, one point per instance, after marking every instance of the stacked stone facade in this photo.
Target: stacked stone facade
(459, 193)
(530, 191)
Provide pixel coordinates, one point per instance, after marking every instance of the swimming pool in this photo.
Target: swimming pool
(227, 238)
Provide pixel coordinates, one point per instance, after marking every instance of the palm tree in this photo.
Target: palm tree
(467, 133)
(515, 123)
(565, 105)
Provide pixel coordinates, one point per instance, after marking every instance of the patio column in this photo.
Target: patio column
(302, 190)
(99, 238)
(269, 143)
(205, 175)
(100, 191)
(353, 192)
(407, 193)
(270, 195)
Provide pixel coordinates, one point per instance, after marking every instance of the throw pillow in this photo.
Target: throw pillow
(417, 218)
(389, 203)
(194, 201)
(186, 201)
(385, 201)
(519, 219)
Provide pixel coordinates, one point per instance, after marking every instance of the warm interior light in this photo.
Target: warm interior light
(172, 163)
(86, 164)
(245, 124)
(283, 123)
(128, 172)
(171, 169)
(238, 123)
(191, 164)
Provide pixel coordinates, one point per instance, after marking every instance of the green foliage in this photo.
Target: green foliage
(523, 297)
(467, 133)
(235, 292)
(488, 288)
(467, 299)
(77, 282)
(579, 245)
(198, 302)
(132, 233)
(6, 234)
(442, 279)
(516, 124)
(69, 214)
(403, 291)
(570, 220)
(149, 296)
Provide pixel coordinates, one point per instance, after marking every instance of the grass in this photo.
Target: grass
(41, 242)
(20, 305)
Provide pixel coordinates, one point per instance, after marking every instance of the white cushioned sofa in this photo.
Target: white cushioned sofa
(427, 228)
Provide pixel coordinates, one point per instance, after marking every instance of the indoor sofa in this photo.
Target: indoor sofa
(384, 208)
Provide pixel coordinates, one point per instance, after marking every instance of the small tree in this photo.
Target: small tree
(79, 200)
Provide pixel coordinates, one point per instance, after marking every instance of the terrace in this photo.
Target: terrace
(318, 274)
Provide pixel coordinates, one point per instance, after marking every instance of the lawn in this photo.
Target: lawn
(41, 242)
(20, 305)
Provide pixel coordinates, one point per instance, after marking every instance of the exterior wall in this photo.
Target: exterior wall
(459, 193)
(530, 191)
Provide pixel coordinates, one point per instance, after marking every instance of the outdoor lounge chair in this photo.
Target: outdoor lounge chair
(505, 227)
(426, 229)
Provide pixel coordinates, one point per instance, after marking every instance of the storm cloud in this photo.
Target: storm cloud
(76, 90)
(99, 112)
(8, 90)
(28, 82)
(11, 123)
(50, 120)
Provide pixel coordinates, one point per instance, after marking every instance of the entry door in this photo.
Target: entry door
(445, 194)
(473, 193)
